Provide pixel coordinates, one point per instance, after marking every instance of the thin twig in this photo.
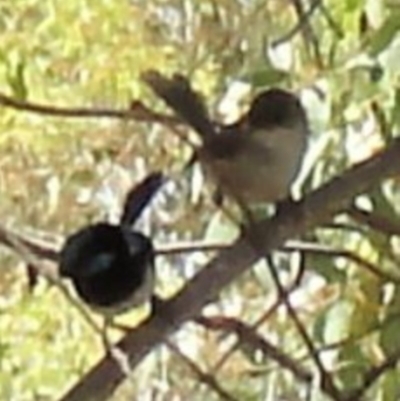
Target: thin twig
(326, 382)
(325, 250)
(247, 335)
(138, 111)
(351, 339)
(203, 377)
(264, 317)
(38, 248)
(49, 272)
(372, 376)
(301, 23)
(308, 34)
(334, 225)
(330, 20)
(49, 252)
(375, 221)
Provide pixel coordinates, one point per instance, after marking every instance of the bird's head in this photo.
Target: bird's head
(93, 250)
(276, 108)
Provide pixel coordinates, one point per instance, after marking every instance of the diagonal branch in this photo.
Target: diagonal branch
(315, 209)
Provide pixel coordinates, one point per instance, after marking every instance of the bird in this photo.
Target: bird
(111, 266)
(254, 160)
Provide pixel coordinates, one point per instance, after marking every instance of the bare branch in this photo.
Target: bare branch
(326, 380)
(331, 21)
(137, 111)
(309, 36)
(247, 335)
(201, 376)
(49, 252)
(342, 253)
(373, 375)
(375, 221)
(304, 17)
(264, 317)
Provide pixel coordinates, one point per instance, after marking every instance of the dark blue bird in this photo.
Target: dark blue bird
(112, 266)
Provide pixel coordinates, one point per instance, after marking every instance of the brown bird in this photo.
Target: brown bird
(254, 160)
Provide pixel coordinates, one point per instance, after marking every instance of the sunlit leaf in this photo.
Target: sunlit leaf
(266, 77)
(385, 34)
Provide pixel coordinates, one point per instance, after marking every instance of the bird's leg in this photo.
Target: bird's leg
(284, 205)
(218, 198)
(157, 305)
(121, 327)
(114, 352)
(108, 345)
(104, 337)
(246, 218)
(249, 219)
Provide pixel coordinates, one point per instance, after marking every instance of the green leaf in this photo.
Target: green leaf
(220, 229)
(395, 113)
(266, 77)
(352, 367)
(325, 267)
(337, 323)
(353, 5)
(16, 80)
(390, 386)
(384, 36)
(389, 338)
(390, 335)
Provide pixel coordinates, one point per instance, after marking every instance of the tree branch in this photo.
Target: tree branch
(137, 111)
(248, 336)
(375, 221)
(315, 209)
(373, 375)
(203, 377)
(303, 20)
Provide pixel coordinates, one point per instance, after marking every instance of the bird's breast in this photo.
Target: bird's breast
(117, 291)
(264, 168)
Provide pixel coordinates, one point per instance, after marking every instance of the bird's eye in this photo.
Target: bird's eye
(99, 263)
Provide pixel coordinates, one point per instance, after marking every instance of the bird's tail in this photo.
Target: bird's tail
(179, 95)
(139, 196)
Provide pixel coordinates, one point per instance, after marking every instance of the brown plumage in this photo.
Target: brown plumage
(254, 160)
